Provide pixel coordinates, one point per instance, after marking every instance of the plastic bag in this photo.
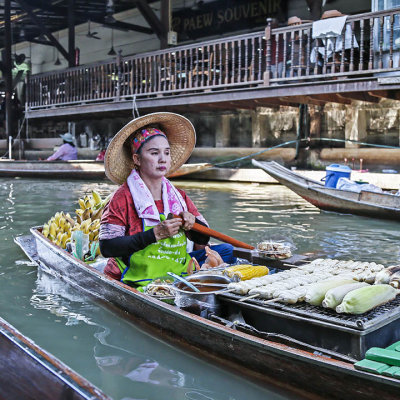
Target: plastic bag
(351, 186)
(276, 248)
(79, 244)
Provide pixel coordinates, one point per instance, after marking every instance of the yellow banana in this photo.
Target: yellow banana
(45, 230)
(63, 240)
(81, 204)
(95, 224)
(106, 200)
(53, 229)
(86, 214)
(96, 197)
(61, 223)
(97, 214)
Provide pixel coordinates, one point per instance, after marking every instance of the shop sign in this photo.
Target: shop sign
(222, 16)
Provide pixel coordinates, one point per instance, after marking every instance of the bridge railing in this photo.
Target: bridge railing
(368, 44)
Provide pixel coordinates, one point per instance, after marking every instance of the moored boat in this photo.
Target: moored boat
(370, 204)
(74, 169)
(29, 372)
(278, 344)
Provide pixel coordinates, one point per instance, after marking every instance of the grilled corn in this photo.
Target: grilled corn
(316, 292)
(230, 270)
(248, 273)
(335, 296)
(366, 298)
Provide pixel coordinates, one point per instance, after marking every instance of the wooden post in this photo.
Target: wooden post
(8, 68)
(165, 22)
(71, 34)
(119, 74)
(267, 73)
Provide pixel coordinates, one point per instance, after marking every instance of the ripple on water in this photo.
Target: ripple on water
(105, 347)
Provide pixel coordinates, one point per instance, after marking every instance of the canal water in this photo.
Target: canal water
(114, 353)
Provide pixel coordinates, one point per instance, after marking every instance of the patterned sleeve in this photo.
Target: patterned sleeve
(114, 219)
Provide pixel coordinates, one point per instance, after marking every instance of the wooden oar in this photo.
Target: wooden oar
(218, 235)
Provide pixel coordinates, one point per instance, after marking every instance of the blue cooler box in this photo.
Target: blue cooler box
(334, 172)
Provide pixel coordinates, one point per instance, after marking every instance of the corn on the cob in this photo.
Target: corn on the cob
(335, 296)
(385, 274)
(230, 270)
(316, 292)
(248, 273)
(366, 298)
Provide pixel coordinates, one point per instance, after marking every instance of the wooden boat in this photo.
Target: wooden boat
(370, 204)
(29, 372)
(187, 169)
(77, 169)
(271, 357)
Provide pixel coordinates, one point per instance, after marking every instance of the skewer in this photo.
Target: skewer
(289, 265)
(226, 291)
(250, 297)
(270, 301)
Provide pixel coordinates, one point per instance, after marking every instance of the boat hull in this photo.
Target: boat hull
(368, 204)
(275, 363)
(28, 372)
(79, 169)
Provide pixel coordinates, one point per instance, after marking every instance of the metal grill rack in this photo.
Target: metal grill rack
(350, 335)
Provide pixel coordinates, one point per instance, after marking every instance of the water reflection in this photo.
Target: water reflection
(104, 347)
(143, 368)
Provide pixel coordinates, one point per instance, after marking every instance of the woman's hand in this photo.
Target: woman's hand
(167, 228)
(188, 220)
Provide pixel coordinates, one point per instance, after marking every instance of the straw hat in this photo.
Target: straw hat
(67, 137)
(181, 136)
(332, 14)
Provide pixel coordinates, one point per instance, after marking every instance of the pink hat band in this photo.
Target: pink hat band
(143, 136)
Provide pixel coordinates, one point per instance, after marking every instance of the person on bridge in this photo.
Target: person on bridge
(67, 151)
(136, 229)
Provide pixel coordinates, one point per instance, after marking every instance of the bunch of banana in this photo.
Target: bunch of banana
(58, 228)
(90, 207)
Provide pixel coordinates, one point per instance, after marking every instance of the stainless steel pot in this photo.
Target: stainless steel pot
(204, 302)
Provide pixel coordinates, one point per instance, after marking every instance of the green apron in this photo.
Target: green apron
(155, 260)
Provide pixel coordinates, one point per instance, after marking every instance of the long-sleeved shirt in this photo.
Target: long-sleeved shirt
(65, 152)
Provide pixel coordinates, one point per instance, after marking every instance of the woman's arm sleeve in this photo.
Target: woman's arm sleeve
(124, 246)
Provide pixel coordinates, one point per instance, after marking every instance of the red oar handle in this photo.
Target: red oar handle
(218, 235)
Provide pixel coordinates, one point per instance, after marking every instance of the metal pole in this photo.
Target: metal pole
(7, 70)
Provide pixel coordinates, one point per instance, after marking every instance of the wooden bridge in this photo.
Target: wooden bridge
(283, 66)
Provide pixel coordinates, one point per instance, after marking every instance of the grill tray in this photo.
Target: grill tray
(351, 335)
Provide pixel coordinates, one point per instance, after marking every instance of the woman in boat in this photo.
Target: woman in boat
(136, 230)
(67, 151)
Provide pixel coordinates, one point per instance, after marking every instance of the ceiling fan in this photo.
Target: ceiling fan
(90, 34)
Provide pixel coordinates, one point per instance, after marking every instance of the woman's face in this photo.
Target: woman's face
(154, 160)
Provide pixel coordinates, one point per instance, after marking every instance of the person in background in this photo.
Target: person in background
(100, 156)
(67, 151)
(136, 230)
